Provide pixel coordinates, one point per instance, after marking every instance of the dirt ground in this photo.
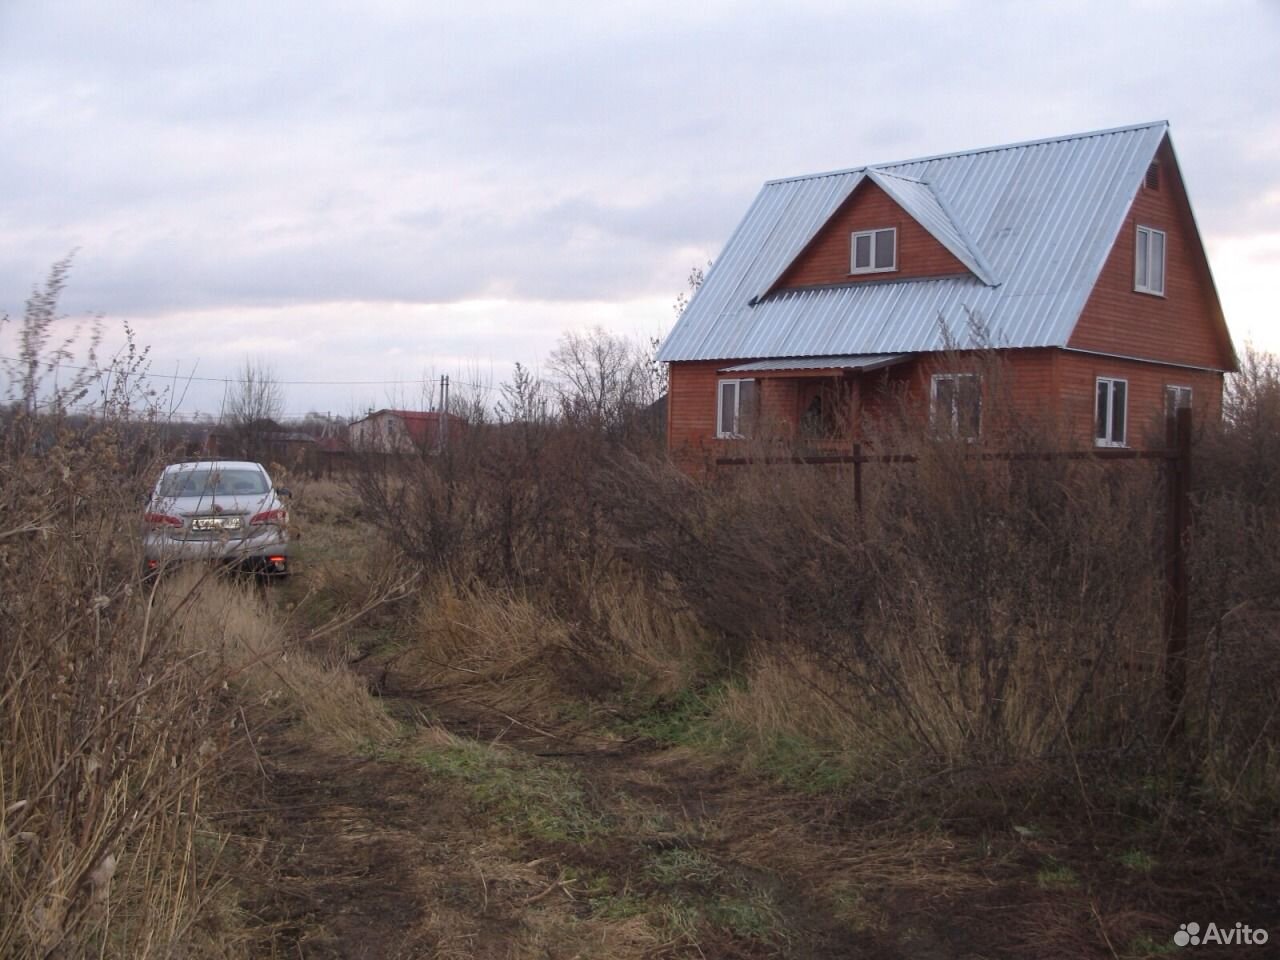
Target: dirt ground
(496, 828)
(485, 836)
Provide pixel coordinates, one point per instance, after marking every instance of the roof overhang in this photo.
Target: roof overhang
(818, 366)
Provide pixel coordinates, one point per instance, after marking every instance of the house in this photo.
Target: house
(1074, 260)
(404, 431)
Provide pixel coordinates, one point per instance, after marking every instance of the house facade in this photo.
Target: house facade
(1075, 263)
(404, 431)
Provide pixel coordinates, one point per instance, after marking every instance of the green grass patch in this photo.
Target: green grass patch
(745, 917)
(695, 894)
(803, 765)
(689, 719)
(678, 720)
(1056, 876)
(537, 799)
(1138, 861)
(685, 895)
(681, 866)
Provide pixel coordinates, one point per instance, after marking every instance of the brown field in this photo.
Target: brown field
(546, 698)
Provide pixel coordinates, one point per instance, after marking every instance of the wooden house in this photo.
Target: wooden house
(1076, 261)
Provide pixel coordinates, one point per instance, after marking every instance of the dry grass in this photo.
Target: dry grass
(511, 649)
(122, 710)
(111, 731)
(974, 613)
(232, 626)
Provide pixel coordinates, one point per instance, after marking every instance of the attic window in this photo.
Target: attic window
(1148, 267)
(874, 251)
(1153, 176)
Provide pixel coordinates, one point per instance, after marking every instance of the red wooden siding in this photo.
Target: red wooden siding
(827, 257)
(1183, 326)
(1078, 375)
(1048, 387)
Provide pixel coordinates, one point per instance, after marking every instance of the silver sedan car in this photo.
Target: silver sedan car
(225, 510)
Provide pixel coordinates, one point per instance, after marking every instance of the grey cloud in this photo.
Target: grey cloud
(231, 154)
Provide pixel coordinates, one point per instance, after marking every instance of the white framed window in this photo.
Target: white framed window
(1110, 412)
(874, 251)
(735, 408)
(955, 409)
(1148, 261)
(1176, 398)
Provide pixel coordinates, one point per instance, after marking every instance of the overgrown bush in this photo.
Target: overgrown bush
(108, 732)
(976, 612)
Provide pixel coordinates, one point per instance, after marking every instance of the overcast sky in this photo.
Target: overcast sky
(391, 190)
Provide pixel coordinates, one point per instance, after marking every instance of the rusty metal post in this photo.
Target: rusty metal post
(1177, 543)
(857, 477)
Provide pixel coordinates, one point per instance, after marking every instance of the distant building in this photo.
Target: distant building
(404, 431)
(263, 440)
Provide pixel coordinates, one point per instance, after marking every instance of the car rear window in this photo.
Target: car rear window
(213, 483)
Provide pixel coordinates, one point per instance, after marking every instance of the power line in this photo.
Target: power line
(148, 375)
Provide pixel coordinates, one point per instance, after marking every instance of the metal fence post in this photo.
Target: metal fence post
(857, 477)
(1177, 544)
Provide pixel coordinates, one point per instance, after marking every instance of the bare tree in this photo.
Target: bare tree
(603, 379)
(522, 399)
(659, 374)
(254, 407)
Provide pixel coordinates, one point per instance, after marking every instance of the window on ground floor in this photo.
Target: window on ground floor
(956, 406)
(735, 409)
(1176, 398)
(1110, 412)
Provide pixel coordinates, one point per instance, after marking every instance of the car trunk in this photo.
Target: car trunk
(217, 518)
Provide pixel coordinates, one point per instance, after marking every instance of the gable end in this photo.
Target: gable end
(1181, 320)
(826, 259)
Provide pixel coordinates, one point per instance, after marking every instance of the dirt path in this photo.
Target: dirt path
(485, 837)
(484, 832)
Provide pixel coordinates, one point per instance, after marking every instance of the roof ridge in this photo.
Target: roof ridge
(879, 171)
(1130, 128)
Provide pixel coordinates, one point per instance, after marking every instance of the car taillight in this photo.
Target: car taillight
(280, 517)
(158, 520)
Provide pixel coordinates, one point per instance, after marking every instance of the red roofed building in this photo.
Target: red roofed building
(404, 431)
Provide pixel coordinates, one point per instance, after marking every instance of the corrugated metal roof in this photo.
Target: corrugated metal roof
(861, 362)
(1033, 221)
(924, 206)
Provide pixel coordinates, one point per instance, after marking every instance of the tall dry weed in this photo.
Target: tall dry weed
(110, 733)
(123, 704)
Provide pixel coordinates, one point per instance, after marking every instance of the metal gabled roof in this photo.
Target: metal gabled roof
(924, 206)
(1033, 221)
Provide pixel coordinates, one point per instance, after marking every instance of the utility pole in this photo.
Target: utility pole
(444, 412)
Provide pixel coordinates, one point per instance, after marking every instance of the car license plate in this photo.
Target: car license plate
(215, 523)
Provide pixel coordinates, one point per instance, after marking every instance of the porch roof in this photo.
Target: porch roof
(857, 362)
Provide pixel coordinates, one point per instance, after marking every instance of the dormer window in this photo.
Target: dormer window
(874, 251)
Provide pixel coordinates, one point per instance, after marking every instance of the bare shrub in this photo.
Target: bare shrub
(110, 733)
(254, 406)
(1235, 567)
(989, 605)
(41, 355)
(974, 608)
